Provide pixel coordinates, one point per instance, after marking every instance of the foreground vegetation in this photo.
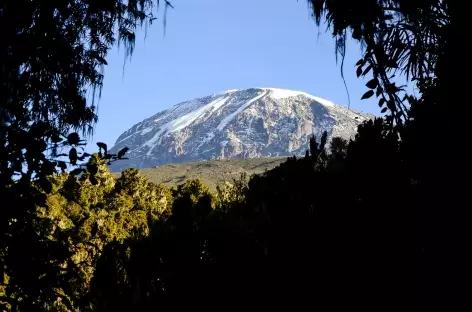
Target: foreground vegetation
(129, 244)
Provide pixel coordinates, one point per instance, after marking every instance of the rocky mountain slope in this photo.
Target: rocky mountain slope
(250, 123)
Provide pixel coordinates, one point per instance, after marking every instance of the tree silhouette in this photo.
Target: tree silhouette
(424, 40)
(51, 54)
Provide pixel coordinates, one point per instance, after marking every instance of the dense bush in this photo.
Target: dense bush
(308, 223)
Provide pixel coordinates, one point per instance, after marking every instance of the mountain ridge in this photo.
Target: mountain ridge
(247, 123)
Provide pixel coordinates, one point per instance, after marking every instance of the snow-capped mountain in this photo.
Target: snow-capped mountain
(248, 123)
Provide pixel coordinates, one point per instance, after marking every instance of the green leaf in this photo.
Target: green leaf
(103, 146)
(392, 64)
(383, 110)
(84, 155)
(92, 169)
(360, 62)
(73, 138)
(77, 171)
(379, 91)
(381, 102)
(56, 139)
(62, 165)
(101, 60)
(372, 84)
(392, 88)
(93, 180)
(122, 152)
(45, 185)
(367, 95)
(367, 70)
(359, 71)
(73, 156)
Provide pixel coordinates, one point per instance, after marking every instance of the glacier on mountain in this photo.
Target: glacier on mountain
(255, 122)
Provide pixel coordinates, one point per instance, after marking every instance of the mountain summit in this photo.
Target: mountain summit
(257, 122)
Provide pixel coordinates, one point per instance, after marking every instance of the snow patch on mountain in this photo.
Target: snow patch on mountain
(231, 116)
(282, 94)
(183, 122)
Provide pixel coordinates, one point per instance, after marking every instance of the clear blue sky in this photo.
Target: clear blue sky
(216, 45)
